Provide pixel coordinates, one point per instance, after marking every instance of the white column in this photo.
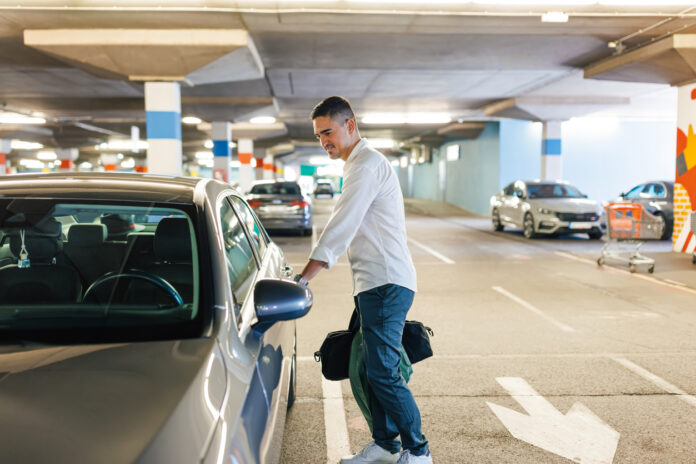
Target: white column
(551, 158)
(268, 167)
(140, 164)
(220, 133)
(163, 115)
(110, 162)
(259, 155)
(245, 151)
(66, 157)
(5, 149)
(683, 239)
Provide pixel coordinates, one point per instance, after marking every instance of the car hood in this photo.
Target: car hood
(566, 205)
(92, 403)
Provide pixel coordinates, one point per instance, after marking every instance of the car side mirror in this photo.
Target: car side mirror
(519, 195)
(279, 300)
(584, 195)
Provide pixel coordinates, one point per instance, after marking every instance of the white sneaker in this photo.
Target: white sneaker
(408, 458)
(372, 453)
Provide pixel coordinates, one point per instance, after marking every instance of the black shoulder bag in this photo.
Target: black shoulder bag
(334, 353)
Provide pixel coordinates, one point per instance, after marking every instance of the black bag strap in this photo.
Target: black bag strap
(354, 324)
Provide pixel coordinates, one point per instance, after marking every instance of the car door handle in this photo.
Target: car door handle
(287, 271)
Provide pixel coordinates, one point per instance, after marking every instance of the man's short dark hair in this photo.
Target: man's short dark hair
(338, 108)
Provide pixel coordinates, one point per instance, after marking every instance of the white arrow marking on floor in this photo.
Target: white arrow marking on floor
(579, 435)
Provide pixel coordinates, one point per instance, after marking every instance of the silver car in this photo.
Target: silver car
(171, 341)
(281, 205)
(545, 208)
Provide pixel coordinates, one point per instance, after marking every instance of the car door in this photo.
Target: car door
(275, 347)
(506, 202)
(516, 204)
(656, 199)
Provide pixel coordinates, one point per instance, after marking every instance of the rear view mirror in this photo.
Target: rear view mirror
(279, 300)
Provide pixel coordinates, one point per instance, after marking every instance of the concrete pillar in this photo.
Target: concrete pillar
(5, 149)
(268, 168)
(163, 125)
(259, 155)
(551, 159)
(220, 133)
(245, 151)
(66, 158)
(683, 239)
(110, 162)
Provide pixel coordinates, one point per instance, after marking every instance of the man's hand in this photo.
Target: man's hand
(300, 280)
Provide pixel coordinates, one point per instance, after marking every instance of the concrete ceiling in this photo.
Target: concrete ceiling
(455, 58)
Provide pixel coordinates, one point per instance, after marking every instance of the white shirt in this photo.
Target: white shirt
(369, 221)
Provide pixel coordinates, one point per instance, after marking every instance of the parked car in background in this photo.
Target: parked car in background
(281, 205)
(545, 208)
(324, 187)
(173, 341)
(657, 197)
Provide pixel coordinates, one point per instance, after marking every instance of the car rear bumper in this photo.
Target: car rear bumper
(286, 222)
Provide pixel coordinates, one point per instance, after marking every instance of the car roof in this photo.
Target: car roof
(101, 186)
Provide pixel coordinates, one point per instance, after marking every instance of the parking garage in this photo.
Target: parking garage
(520, 131)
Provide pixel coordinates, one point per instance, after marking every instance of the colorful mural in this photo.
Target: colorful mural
(683, 239)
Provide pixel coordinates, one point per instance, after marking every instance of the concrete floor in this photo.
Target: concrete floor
(622, 345)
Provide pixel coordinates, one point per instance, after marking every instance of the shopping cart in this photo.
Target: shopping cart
(629, 225)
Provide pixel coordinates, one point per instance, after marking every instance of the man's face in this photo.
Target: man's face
(334, 136)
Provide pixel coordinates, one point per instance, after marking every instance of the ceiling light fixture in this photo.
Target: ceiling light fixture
(536, 2)
(32, 163)
(46, 155)
(381, 143)
(22, 145)
(554, 17)
(15, 118)
(204, 155)
(191, 120)
(409, 118)
(122, 144)
(262, 120)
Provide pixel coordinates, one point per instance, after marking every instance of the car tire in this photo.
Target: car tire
(495, 217)
(528, 226)
(666, 232)
(307, 232)
(595, 234)
(292, 392)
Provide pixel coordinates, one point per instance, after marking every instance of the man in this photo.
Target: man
(368, 221)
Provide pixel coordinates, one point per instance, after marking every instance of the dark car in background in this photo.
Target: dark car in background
(324, 187)
(657, 197)
(142, 319)
(281, 205)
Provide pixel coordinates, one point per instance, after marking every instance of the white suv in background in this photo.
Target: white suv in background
(545, 208)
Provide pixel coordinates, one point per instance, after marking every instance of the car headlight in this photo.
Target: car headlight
(546, 211)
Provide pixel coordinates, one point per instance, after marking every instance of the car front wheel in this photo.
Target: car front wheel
(528, 226)
(495, 217)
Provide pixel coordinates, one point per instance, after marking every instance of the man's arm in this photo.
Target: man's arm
(312, 268)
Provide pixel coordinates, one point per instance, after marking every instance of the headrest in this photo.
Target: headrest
(173, 240)
(87, 234)
(42, 241)
(118, 225)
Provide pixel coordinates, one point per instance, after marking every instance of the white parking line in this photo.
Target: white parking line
(431, 251)
(533, 309)
(659, 381)
(337, 444)
(314, 236)
(663, 283)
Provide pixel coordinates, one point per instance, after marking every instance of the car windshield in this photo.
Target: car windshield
(278, 188)
(552, 191)
(96, 272)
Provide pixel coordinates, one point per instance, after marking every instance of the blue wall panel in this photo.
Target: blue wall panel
(520, 151)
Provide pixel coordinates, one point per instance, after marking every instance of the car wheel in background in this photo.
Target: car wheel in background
(595, 234)
(666, 232)
(307, 232)
(495, 217)
(528, 226)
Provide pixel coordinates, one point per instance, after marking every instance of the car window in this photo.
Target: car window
(656, 190)
(636, 191)
(509, 190)
(258, 238)
(102, 271)
(553, 191)
(276, 188)
(241, 264)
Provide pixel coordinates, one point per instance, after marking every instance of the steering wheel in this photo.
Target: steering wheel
(153, 279)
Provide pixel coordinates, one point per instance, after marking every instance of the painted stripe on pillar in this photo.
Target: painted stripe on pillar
(552, 147)
(163, 125)
(221, 148)
(259, 163)
(245, 158)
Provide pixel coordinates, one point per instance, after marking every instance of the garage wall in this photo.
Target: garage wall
(604, 157)
(520, 151)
